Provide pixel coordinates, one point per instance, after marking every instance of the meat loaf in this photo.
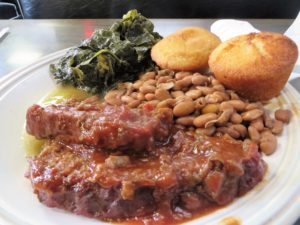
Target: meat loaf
(104, 126)
(189, 173)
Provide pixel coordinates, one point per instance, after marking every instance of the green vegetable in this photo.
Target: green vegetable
(119, 53)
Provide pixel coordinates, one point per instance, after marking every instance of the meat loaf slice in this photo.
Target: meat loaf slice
(190, 173)
(104, 126)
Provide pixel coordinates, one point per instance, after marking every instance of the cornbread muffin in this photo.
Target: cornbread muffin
(256, 65)
(187, 49)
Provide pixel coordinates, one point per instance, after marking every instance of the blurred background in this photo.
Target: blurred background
(73, 9)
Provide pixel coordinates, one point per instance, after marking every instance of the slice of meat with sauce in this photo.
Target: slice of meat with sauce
(188, 174)
(104, 126)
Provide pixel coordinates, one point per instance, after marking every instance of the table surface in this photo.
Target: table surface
(29, 40)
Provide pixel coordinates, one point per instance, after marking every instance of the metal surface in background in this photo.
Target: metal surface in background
(29, 40)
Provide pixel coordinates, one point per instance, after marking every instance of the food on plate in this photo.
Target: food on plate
(187, 49)
(170, 142)
(110, 127)
(118, 53)
(158, 160)
(201, 103)
(187, 174)
(256, 65)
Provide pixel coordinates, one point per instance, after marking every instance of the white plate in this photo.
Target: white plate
(274, 201)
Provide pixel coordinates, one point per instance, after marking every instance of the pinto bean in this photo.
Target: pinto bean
(201, 120)
(125, 85)
(239, 128)
(126, 99)
(183, 99)
(215, 82)
(211, 108)
(185, 120)
(129, 87)
(238, 105)
(148, 76)
(169, 103)
(278, 127)
(194, 94)
(268, 143)
(269, 122)
(253, 134)
(165, 72)
(205, 90)
(225, 106)
(167, 86)
(113, 97)
(255, 105)
(224, 95)
(140, 96)
(181, 75)
(214, 98)
(219, 87)
(210, 123)
(283, 115)
(149, 96)
(184, 108)
(154, 102)
(209, 131)
(150, 82)
(230, 131)
(233, 95)
(145, 89)
(162, 94)
(136, 85)
(171, 81)
(134, 95)
(252, 114)
(193, 87)
(200, 103)
(176, 94)
(224, 117)
(177, 87)
(236, 118)
(258, 124)
(185, 82)
(134, 103)
(233, 133)
(162, 79)
(227, 111)
(198, 79)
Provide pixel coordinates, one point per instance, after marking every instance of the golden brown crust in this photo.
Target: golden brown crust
(187, 49)
(256, 65)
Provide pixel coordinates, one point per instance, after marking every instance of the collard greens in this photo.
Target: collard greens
(111, 55)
